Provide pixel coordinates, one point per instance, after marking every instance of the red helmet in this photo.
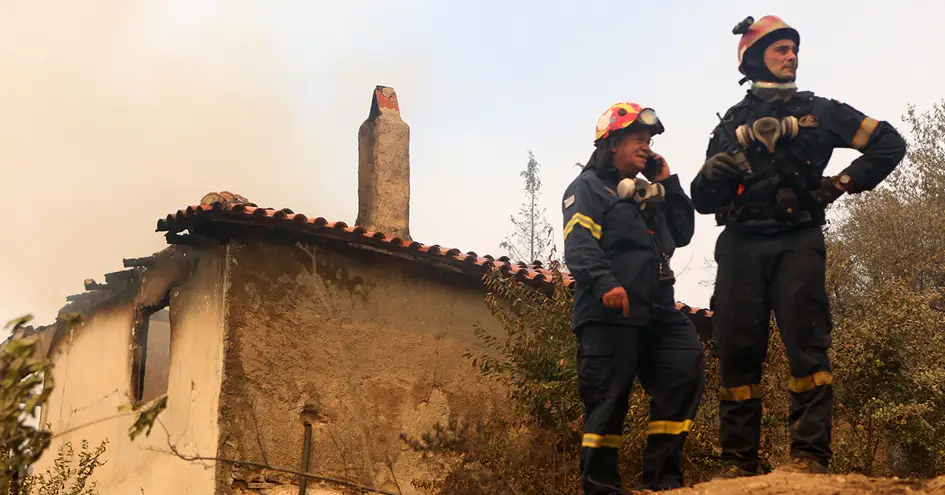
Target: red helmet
(752, 32)
(621, 115)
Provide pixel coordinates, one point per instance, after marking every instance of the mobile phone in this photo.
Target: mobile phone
(652, 167)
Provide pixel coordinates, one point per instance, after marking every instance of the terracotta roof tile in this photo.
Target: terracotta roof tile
(228, 208)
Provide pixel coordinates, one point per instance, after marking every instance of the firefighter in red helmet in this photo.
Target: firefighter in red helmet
(620, 231)
(762, 179)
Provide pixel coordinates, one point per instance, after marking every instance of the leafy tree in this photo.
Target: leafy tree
(533, 237)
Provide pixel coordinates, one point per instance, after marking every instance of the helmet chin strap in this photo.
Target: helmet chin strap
(762, 79)
(771, 91)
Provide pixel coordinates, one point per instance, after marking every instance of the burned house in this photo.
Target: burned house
(278, 337)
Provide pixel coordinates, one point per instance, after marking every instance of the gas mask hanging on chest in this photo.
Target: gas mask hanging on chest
(644, 193)
(768, 131)
(640, 191)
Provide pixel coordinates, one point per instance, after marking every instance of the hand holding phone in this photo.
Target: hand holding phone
(656, 168)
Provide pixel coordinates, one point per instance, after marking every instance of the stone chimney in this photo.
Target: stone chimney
(384, 168)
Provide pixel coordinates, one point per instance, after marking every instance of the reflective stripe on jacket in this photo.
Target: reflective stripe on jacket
(607, 243)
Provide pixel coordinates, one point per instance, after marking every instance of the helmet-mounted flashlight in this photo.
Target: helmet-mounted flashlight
(647, 116)
(742, 27)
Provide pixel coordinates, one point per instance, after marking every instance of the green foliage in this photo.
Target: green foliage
(535, 360)
(22, 372)
(146, 418)
(56, 479)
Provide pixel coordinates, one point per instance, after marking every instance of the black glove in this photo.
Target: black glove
(828, 192)
(720, 166)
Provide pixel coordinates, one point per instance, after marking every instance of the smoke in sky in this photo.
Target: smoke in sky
(112, 117)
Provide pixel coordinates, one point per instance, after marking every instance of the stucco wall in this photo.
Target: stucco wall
(92, 371)
(363, 345)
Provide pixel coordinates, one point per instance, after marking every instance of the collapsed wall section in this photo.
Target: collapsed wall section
(163, 337)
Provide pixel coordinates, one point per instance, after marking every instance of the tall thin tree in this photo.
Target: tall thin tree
(533, 236)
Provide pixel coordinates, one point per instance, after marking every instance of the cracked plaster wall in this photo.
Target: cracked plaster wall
(361, 344)
(92, 370)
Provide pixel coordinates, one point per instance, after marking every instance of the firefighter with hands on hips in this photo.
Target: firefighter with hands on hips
(620, 232)
(762, 179)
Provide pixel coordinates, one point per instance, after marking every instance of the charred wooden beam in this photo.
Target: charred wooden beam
(193, 240)
(145, 261)
(91, 284)
(81, 297)
(177, 239)
(121, 276)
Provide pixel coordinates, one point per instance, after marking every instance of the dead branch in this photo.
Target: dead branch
(93, 422)
(325, 479)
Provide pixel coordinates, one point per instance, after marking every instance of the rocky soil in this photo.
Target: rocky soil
(806, 484)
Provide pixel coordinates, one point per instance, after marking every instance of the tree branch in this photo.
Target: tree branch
(94, 422)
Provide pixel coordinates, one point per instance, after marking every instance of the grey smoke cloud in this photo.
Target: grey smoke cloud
(116, 114)
(105, 124)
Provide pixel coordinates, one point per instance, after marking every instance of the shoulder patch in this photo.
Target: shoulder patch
(809, 120)
(569, 201)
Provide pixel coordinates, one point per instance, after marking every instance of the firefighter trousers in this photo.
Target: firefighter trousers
(668, 358)
(757, 274)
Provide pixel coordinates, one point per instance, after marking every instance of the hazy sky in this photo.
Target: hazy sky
(114, 113)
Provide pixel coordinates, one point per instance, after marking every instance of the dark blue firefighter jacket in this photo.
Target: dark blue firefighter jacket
(608, 243)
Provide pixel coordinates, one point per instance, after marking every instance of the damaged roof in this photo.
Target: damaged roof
(232, 210)
(118, 287)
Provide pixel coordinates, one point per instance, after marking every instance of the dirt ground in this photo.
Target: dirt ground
(806, 484)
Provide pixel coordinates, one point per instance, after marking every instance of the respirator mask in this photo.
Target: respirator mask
(640, 191)
(768, 131)
(644, 193)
